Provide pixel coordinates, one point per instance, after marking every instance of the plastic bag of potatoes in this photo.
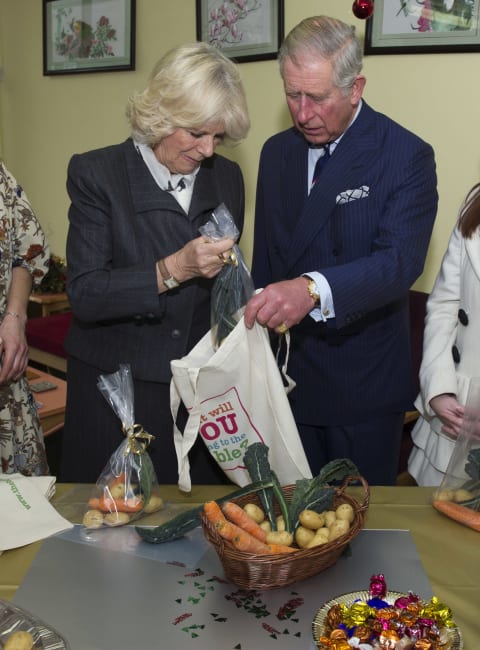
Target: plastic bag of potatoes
(127, 487)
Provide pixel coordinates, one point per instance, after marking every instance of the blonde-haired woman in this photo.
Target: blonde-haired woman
(139, 275)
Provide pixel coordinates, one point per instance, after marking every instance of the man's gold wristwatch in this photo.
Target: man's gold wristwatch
(168, 280)
(312, 290)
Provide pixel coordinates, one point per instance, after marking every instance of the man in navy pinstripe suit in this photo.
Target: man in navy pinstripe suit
(337, 251)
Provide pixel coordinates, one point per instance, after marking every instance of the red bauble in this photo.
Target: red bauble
(362, 8)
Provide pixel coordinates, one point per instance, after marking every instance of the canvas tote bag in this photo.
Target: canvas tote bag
(235, 396)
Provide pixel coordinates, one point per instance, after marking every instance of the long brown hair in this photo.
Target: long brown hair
(470, 218)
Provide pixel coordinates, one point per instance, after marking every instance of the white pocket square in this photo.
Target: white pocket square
(352, 195)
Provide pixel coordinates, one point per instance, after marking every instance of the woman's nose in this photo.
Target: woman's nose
(206, 146)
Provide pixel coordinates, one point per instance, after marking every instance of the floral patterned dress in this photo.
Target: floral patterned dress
(22, 243)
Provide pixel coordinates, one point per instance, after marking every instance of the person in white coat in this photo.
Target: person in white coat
(451, 348)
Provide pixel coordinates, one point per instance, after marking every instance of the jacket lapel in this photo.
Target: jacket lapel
(205, 195)
(145, 193)
(340, 173)
(147, 197)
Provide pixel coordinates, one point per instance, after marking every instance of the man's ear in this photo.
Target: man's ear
(357, 89)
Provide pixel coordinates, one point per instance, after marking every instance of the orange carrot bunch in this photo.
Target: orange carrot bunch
(234, 525)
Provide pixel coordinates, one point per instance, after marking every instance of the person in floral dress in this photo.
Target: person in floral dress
(24, 258)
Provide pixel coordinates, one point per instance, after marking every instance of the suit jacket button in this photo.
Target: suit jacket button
(176, 334)
(463, 317)
(455, 354)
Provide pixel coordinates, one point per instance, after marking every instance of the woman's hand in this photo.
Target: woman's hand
(450, 412)
(13, 349)
(199, 258)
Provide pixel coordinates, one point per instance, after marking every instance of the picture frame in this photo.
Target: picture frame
(88, 36)
(417, 27)
(244, 30)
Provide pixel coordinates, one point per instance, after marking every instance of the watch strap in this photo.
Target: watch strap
(168, 280)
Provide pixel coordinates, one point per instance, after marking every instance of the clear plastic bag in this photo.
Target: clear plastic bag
(233, 286)
(127, 486)
(458, 496)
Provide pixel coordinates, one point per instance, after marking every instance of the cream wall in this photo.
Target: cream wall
(43, 120)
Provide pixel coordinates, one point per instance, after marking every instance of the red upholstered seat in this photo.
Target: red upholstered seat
(47, 333)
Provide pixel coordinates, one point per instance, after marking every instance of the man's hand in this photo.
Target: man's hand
(280, 305)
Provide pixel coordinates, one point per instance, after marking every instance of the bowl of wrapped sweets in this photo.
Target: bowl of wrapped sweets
(379, 619)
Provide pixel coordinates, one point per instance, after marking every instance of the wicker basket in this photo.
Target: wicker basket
(271, 571)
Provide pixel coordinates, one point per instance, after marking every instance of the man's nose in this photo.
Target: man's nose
(305, 109)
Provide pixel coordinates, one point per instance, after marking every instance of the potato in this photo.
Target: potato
(445, 495)
(117, 491)
(345, 511)
(282, 537)
(311, 519)
(318, 540)
(19, 641)
(116, 518)
(254, 512)
(303, 536)
(280, 523)
(462, 495)
(323, 531)
(330, 518)
(154, 503)
(339, 528)
(93, 519)
(266, 525)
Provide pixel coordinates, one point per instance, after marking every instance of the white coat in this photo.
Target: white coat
(451, 353)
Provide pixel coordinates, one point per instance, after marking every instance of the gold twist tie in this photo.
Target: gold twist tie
(281, 329)
(138, 439)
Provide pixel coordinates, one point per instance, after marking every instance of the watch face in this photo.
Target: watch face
(312, 290)
(171, 283)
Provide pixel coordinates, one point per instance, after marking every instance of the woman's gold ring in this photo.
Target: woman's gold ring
(281, 329)
(230, 259)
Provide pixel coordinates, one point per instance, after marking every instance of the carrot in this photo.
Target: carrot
(109, 504)
(242, 540)
(246, 542)
(238, 516)
(94, 503)
(215, 516)
(214, 513)
(462, 514)
(281, 548)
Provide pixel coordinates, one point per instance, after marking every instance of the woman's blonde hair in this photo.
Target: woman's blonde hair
(192, 85)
